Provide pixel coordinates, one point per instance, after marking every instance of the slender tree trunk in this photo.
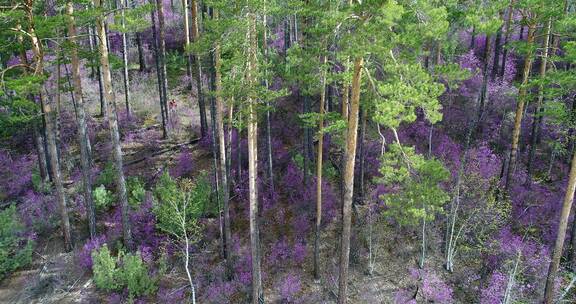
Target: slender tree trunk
(268, 127)
(91, 47)
(37, 130)
(229, 145)
(141, 58)
(538, 109)
(506, 37)
(257, 292)
(187, 44)
(103, 104)
(56, 175)
(319, 174)
(497, 47)
(50, 132)
(81, 121)
(287, 41)
(162, 57)
(345, 94)
(123, 7)
(522, 96)
(72, 98)
(239, 151)
(305, 153)
(362, 151)
(557, 253)
(223, 155)
(155, 48)
(39, 144)
(484, 90)
(113, 126)
(349, 161)
(216, 156)
(198, 70)
(58, 105)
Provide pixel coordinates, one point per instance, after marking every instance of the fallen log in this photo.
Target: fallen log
(160, 152)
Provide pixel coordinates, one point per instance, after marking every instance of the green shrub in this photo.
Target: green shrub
(166, 188)
(106, 275)
(103, 199)
(136, 191)
(180, 200)
(39, 185)
(107, 175)
(135, 276)
(201, 192)
(131, 273)
(15, 249)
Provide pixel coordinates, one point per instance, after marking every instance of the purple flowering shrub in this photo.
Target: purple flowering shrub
(84, 255)
(184, 164)
(38, 211)
(514, 260)
(16, 174)
(432, 287)
(403, 296)
(289, 287)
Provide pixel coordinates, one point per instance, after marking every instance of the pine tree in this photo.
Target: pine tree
(257, 290)
(113, 127)
(81, 121)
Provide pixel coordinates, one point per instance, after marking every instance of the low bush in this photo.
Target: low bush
(107, 276)
(15, 248)
(135, 276)
(136, 191)
(107, 175)
(103, 198)
(126, 271)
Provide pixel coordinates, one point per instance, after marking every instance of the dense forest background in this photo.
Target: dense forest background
(263, 151)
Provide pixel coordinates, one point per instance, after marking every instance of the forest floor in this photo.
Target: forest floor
(55, 276)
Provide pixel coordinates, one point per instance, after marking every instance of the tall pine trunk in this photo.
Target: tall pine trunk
(349, 162)
(141, 58)
(50, 133)
(81, 121)
(538, 109)
(497, 47)
(187, 44)
(123, 7)
(198, 70)
(159, 78)
(522, 96)
(39, 142)
(162, 57)
(113, 127)
(557, 253)
(484, 89)
(56, 174)
(223, 155)
(216, 157)
(319, 174)
(305, 152)
(257, 292)
(507, 36)
(268, 127)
